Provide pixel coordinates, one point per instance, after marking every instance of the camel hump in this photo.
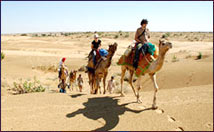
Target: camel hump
(156, 53)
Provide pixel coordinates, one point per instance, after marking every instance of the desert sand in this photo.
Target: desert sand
(185, 98)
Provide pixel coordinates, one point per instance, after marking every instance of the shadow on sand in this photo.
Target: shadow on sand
(106, 108)
(76, 95)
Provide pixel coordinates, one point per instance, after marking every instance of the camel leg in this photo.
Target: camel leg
(69, 86)
(96, 85)
(63, 85)
(138, 95)
(90, 82)
(123, 71)
(104, 82)
(153, 77)
(99, 87)
(71, 83)
(138, 89)
(94, 90)
(100, 90)
(130, 81)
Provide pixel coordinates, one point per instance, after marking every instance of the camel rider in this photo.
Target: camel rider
(95, 46)
(142, 36)
(62, 62)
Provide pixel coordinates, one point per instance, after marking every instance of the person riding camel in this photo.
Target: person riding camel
(95, 46)
(62, 62)
(142, 36)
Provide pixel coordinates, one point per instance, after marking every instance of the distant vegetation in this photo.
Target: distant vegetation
(49, 68)
(166, 35)
(2, 56)
(155, 36)
(116, 36)
(23, 34)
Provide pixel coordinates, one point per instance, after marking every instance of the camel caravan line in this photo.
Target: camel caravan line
(147, 64)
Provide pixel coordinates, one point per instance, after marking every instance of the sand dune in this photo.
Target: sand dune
(188, 108)
(185, 98)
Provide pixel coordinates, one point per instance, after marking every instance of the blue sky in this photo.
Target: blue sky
(71, 16)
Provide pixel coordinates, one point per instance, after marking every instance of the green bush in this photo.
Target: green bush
(28, 86)
(127, 35)
(166, 35)
(199, 56)
(196, 38)
(66, 34)
(100, 34)
(116, 36)
(35, 35)
(2, 55)
(174, 59)
(120, 33)
(24, 34)
(43, 35)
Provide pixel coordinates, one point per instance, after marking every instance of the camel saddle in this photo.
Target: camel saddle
(91, 68)
(143, 65)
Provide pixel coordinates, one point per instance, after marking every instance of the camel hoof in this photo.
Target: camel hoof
(154, 107)
(122, 95)
(139, 101)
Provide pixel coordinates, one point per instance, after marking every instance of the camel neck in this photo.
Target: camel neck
(109, 58)
(160, 60)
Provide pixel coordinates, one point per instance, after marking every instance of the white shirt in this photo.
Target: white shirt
(111, 84)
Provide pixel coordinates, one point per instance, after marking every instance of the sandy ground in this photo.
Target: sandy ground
(185, 98)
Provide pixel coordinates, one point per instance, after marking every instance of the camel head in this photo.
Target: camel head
(72, 73)
(164, 45)
(112, 48)
(75, 72)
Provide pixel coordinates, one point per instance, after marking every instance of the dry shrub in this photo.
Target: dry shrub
(51, 68)
(27, 86)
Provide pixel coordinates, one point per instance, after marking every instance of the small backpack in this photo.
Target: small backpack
(103, 52)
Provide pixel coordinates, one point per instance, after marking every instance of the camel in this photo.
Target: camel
(100, 71)
(72, 78)
(90, 70)
(63, 78)
(154, 67)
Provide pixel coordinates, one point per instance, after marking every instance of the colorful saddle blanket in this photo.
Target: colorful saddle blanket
(144, 61)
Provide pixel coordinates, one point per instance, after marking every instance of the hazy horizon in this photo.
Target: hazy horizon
(106, 32)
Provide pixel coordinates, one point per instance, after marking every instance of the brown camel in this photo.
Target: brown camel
(63, 78)
(100, 71)
(91, 71)
(72, 78)
(154, 67)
